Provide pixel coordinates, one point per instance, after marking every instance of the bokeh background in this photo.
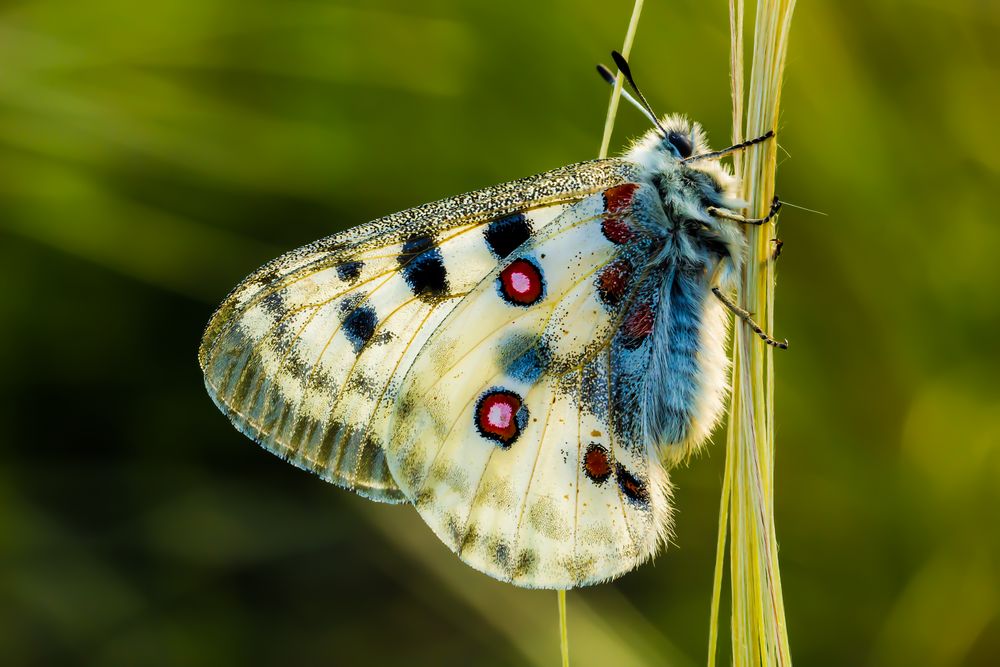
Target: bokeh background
(153, 153)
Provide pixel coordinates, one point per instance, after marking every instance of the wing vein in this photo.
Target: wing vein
(385, 388)
(531, 478)
(551, 309)
(399, 360)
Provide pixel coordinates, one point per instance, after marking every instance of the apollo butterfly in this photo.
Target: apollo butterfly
(520, 363)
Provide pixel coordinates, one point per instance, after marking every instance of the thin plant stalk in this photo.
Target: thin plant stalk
(563, 636)
(609, 124)
(616, 93)
(758, 630)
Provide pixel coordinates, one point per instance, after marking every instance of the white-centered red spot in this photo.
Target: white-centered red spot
(499, 415)
(617, 207)
(521, 282)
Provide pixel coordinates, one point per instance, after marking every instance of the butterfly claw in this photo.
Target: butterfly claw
(776, 253)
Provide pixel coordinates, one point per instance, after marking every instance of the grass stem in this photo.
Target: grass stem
(563, 635)
(616, 93)
(758, 630)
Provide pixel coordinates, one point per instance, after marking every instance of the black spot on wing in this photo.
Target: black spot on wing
(273, 303)
(506, 234)
(349, 271)
(359, 326)
(501, 554)
(423, 268)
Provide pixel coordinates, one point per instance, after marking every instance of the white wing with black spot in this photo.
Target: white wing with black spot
(305, 355)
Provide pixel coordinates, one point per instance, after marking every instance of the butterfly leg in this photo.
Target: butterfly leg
(776, 253)
(726, 215)
(745, 316)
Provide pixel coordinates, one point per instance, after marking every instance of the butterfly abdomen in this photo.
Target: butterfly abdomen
(685, 380)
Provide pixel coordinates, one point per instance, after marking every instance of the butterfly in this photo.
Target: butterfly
(522, 363)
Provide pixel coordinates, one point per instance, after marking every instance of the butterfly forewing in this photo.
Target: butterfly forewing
(305, 356)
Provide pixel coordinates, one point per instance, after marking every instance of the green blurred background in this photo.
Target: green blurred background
(153, 153)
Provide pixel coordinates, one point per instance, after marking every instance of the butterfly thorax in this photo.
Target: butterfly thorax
(676, 216)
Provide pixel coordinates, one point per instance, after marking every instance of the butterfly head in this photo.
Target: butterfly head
(663, 154)
(683, 139)
(673, 144)
(688, 191)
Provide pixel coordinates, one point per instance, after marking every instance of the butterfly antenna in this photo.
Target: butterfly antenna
(732, 149)
(607, 75)
(623, 67)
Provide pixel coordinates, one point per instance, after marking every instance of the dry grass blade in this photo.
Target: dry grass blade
(758, 630)
(616, 94)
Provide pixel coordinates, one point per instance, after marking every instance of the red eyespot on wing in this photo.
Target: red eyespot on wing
(521, 283)
(613, 281)
(499, 416)
(617, 203)
(638, 325)
(597, 464)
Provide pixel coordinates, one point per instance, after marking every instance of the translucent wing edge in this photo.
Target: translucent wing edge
(387, 494)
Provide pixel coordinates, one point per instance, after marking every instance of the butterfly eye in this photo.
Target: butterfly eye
(681, 143)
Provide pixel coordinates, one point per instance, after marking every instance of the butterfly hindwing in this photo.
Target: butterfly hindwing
(516, 431)
(305, 356)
